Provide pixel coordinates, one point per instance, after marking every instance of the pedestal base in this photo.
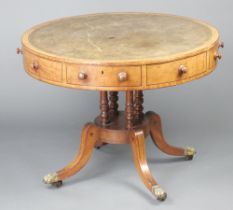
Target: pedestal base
(116, 131)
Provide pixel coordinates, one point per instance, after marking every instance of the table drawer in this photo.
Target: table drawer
(212, 57)
(104, 76)
(42, 68)
(170, 72)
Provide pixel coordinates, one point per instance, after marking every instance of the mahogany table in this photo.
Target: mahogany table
(114, 52)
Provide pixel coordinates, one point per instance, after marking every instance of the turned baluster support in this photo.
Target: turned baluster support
(129, 109)
(139, 105)
(113, 107)
(104, 108)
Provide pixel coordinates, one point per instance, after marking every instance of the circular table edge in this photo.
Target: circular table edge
(206, 53)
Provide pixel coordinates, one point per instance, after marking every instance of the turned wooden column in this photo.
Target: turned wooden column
(129, 109)
(104, 108)
(113, 107)
(138, 105)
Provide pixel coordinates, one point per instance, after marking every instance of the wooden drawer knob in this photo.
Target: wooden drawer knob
(35, 65)
(182, 69)
(221, 45)
(122, 76)
(217, 56)
(82, 75)
(19, 51)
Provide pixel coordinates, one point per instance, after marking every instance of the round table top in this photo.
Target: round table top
(120, 51)
(120, 37)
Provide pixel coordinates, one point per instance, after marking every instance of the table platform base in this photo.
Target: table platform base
(132, 127)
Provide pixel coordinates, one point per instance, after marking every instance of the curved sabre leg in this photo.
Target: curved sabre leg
(159, 140)
(137, 141)
(89, 138)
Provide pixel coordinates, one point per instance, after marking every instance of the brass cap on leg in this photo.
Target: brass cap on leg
(189, 152)
(50, 178)
(159, 193)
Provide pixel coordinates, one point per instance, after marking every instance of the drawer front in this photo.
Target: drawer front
(42, 68)
(170, 72)
(99, 76)
(212, 62)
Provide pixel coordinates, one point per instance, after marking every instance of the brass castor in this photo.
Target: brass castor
(99, 146)
(57, 184)
(189, 157)
(52, 179)
(189, 153)
(159, 193)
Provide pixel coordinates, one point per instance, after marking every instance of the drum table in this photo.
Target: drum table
(128, 52)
